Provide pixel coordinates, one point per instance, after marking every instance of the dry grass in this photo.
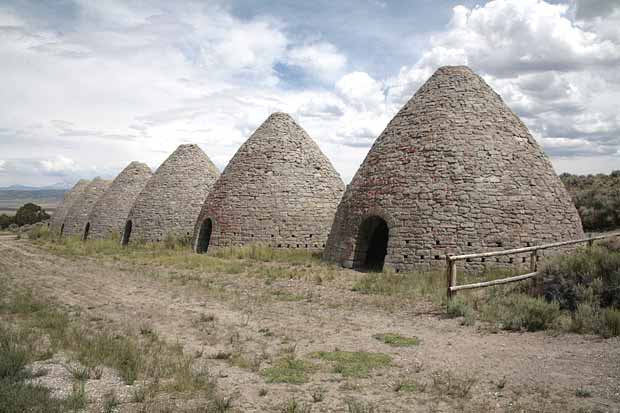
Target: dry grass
(40, 329)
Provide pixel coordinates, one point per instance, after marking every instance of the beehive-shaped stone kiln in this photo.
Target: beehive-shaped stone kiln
(110, 213)
(58, 218)
(455, 171)
(77, 216)
(278, 189)
(170, 202)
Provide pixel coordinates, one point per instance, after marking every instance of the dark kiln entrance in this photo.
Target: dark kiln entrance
(204, 236)
(86, 231)
(372, 243)
(127, 233)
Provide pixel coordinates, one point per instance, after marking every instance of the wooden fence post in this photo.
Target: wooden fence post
(534, 261)
(450, 276)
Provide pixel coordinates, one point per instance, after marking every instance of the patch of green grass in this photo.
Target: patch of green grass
(396, 340)
(353, 363)
(408, 386)
(288, 370)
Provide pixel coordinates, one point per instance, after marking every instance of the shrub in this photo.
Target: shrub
(521, 312)
(6, 220)
(588, 276)
(585, 319)
(597, 198)
(30, 214)
(612, 322)
(458, 307)
(40, 232)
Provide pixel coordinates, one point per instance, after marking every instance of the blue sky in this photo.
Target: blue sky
(86, 87)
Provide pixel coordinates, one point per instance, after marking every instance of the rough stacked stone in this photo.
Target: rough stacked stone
(455, 171)
(110, 213)
(278, 189)
(77, 216)
(171, 200)
(58, 218)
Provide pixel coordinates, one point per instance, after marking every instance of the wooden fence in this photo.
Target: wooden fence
(451, 260)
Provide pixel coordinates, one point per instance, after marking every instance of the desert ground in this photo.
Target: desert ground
(287, 337)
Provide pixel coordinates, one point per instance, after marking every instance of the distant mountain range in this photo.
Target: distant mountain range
(56, 186)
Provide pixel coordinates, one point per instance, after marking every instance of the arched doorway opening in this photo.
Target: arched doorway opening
(86, 231)
(126, 233)
(204, 236)
(372, 243)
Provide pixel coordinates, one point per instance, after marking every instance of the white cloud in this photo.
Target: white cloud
(361, 91)
(320, 59)
(558, 75)
(60, 164)
(121, 81)
(2, 164)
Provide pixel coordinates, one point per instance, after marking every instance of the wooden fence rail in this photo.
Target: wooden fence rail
(451, 260)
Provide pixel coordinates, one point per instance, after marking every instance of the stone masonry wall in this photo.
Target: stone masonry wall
(278, 189)
(454, 172)
(109, 214)
(77, 216)
(69, 198)
(171, 200)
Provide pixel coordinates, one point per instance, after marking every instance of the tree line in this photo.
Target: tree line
(597, 198)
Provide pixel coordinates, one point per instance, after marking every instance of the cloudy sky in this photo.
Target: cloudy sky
(87, 86)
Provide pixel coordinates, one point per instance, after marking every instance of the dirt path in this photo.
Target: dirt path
(512, 371)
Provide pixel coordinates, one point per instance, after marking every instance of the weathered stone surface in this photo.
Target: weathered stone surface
(110, 213)
(278, 189)
(455, 171)
(171, 200)
(69, 198)
(77, 216)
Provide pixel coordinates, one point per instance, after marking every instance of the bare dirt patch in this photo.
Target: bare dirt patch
(241, 325)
